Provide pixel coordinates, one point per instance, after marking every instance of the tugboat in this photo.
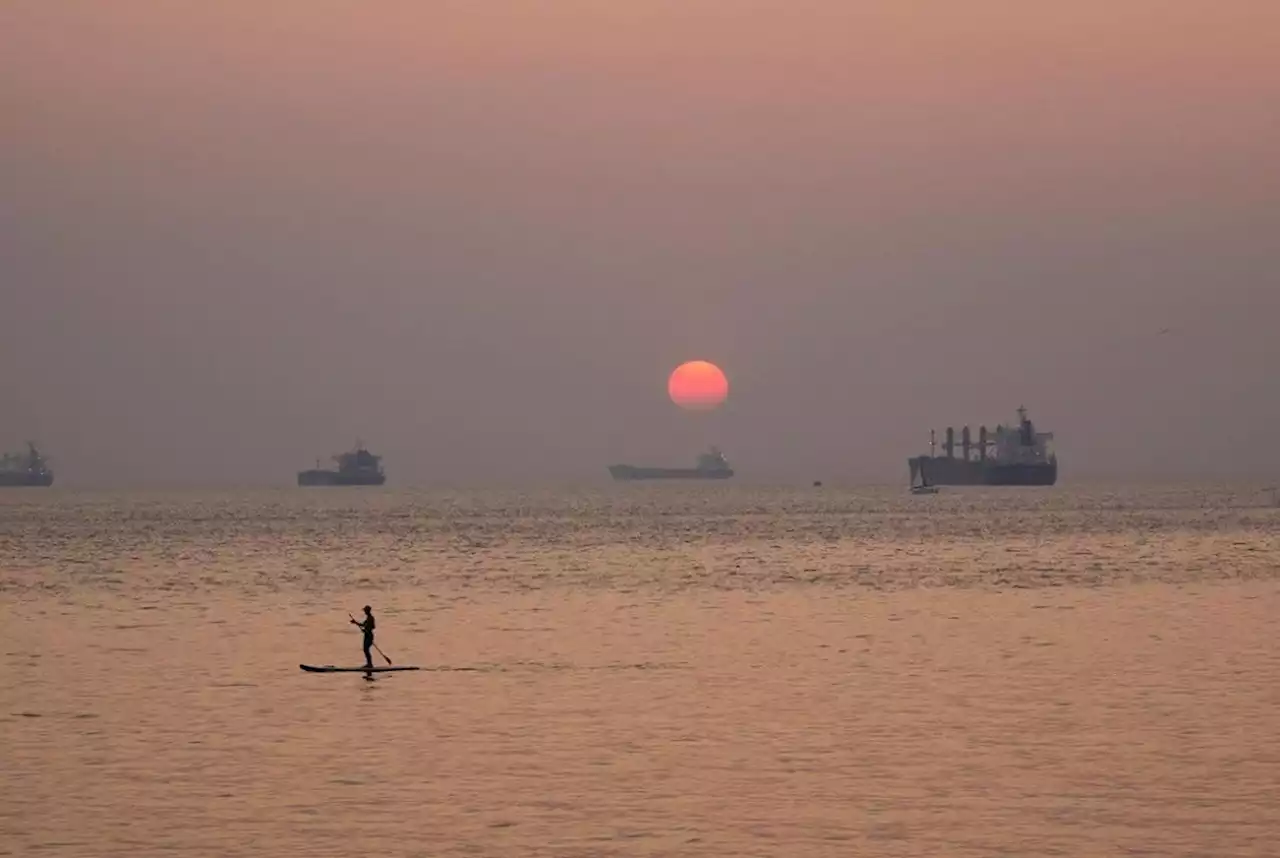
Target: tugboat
(358, 467)
(27, 469)
(711, 465)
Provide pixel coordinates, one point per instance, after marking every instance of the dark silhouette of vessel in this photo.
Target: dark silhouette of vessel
(711, 465)
(1012, 456)
(358, 467)
(29, 469)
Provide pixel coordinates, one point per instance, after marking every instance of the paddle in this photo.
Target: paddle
(375, 646)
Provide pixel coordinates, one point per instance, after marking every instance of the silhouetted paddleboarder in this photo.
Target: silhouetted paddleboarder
(367, 626)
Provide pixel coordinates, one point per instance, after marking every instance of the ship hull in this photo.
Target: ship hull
(334, 478)
(25, 480)
(943, 471)
(632, 472)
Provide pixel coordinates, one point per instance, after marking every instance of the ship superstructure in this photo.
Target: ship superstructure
(1011, 456)
(27, 469)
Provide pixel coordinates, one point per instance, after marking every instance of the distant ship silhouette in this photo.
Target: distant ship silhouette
(711, 465)
(358, 467)
(27, 469)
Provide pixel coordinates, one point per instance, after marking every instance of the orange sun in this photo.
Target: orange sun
(698, 385)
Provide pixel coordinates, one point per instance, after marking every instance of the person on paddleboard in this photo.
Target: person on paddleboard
(367, 626)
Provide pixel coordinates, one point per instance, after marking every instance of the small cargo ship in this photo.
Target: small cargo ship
(29, 469)
(358, 467)
(711, 465)
(1011, 456)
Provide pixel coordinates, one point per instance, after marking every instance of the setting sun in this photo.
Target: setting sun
(698, 385)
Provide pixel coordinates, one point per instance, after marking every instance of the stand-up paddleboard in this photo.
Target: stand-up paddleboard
(329, 668)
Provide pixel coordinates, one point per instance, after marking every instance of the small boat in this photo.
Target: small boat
(329, 668)
(924, 487)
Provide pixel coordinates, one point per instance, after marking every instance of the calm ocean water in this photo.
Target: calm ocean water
(642, 670)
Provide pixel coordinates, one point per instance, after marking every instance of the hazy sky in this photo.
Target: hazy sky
(235, 236)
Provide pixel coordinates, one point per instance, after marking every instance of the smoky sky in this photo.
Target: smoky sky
(236, 237)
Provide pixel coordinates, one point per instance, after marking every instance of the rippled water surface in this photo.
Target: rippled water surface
(642, 670)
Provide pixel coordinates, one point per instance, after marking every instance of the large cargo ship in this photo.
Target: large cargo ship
(711, 466)
(358, 467)
(25, 469)
(1011, 456)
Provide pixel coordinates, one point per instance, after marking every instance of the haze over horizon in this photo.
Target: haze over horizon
(235, 237)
